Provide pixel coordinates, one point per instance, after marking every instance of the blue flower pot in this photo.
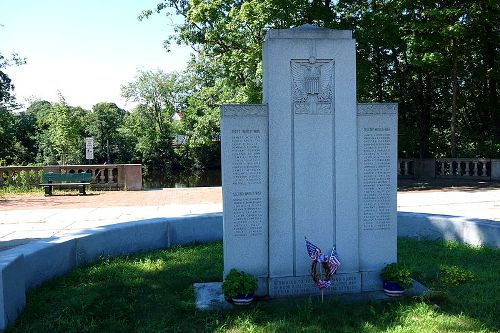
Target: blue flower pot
(243, 299)
(392, 289)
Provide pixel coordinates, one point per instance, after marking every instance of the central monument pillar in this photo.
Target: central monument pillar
(310, 90)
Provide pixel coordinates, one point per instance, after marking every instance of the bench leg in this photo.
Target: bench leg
(48, 190)
(81, 190)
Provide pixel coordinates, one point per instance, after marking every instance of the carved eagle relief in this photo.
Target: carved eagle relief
(312, 86)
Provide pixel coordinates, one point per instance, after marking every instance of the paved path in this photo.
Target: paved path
(24, 218)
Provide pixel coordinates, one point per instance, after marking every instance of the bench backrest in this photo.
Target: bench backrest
(53, 177)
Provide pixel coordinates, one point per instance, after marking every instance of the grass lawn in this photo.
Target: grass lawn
(152, 292)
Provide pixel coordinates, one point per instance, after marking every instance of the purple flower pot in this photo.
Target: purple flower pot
(243, 299)
(392, 289)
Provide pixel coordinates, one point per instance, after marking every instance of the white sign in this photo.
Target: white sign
(89, 148)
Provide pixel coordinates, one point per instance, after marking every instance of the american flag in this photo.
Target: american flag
(333, 261)
(313, 251)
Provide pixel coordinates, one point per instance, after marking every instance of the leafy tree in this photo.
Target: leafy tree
(7, 137)
(26, 137)
(6, 86)
(102, 124)
(159, 95)
(60, 132)
(437, 59)
(10, 148)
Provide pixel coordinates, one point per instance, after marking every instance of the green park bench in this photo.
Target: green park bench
(79, 180)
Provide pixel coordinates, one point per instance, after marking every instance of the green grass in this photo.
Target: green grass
(152, 292)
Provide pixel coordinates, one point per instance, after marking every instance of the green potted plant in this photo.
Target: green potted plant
(396, 279)
(239, 287)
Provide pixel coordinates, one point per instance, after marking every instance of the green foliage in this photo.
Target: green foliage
(149, 125)
(398, 274)
(102, 123)
(7, 100)
(406, 53)
(454, 275)
(238, 283)
(65, 133)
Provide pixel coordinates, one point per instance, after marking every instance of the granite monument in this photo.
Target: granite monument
(309, 162)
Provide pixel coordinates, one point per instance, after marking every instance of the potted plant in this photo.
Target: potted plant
(396, 279)
(239, 287)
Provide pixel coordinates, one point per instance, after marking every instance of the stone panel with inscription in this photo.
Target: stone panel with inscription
(303, 285)
(244, 180)
(377, 149)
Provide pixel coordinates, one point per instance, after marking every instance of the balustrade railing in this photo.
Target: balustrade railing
(104, 176)
(406, 167)
(463, 168)
(458, 168)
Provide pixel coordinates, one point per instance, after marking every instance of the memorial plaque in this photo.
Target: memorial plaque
(377, 140)
(304, 285)
(244, 182)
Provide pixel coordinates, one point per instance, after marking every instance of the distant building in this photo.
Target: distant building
(178, 116)
(178, 138)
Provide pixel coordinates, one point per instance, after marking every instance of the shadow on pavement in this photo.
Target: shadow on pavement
(445, 185)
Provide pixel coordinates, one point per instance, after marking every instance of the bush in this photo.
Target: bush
(238, 283)
(454, 275)
(398, 274)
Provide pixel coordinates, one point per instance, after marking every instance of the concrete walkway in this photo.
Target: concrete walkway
(27, 218)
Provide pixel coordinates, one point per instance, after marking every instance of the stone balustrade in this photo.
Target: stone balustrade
(406, 167)
(104, 176)
(458, 168)
(463, 168)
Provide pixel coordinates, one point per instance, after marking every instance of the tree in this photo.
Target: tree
(6, 136)
(102, 124)
(159, 95)
(10, 148)
(59, 132)
(437, 59)
(6, 86)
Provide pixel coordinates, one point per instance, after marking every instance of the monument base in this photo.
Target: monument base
(303, 285)
(209, 295)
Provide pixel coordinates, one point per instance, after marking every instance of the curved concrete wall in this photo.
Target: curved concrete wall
(461, 229)
(27, 266)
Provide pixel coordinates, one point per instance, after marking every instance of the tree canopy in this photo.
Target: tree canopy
(437, 59)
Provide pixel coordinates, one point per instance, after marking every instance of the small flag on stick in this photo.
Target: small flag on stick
(333, 261)
(313, 251)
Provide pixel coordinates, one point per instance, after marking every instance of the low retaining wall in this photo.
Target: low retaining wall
(27, 266)
(461, 229)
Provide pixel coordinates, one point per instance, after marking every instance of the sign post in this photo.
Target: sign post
(89, 148)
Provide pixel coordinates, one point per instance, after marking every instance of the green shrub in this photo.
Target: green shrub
(398, 274)
(238, 283)
(454, 275)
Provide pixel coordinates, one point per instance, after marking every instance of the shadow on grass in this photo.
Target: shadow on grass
(152, 292)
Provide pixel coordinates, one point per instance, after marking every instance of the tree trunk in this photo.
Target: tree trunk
(453, 138)
(424, 114)
(489, 59)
